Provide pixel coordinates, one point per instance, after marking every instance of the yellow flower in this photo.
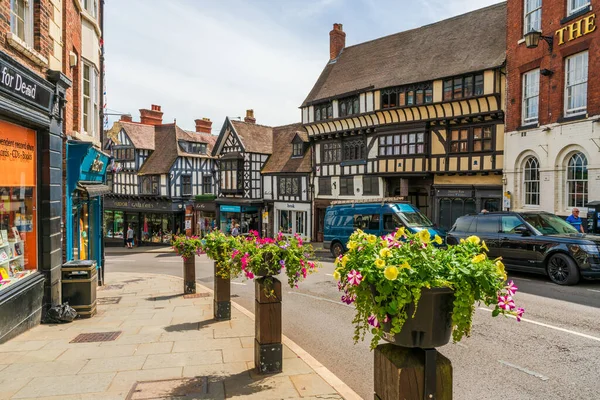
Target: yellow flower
(344, 261)
(462, 240)
(336, 275)
(383, 243)
(385, 252)
(400, 232)
(405, 265)
(352, 245)
(372, 239)
(424, 236)
(337, 261)
(478, 258)
(438, 239)
(379, 263)
(500, 268)
(484, 246)
(473, 239)
(391, 273)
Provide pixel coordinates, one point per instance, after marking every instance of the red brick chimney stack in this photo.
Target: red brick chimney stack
(152, 116)
(126, 118)
(337, 41)
(203, 125)
(250, 117)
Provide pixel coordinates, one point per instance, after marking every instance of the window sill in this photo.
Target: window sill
(576, 14)
(15, 42)
(526, 127)
(570, 118)
(93, 21)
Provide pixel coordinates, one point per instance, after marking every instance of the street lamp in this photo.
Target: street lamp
(532, 39)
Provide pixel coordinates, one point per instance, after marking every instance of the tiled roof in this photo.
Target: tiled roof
(255, 138)
(470, 42)
(142, 136)
(281, 160)
(198, 137)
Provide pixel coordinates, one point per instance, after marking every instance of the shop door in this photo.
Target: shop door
(452, 209)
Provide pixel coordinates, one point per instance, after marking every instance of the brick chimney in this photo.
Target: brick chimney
(203, 125)
(126, 118)
(337, 41)
(250, 117)
(152, 116)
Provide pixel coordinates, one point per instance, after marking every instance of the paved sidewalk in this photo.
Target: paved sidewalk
(143, 249)
(164, 337)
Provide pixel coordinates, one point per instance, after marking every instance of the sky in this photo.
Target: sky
(217, 58)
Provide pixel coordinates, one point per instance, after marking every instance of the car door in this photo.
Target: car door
(487, 227)
(514, 247)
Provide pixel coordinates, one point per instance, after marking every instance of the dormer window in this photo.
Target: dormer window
(323, 111)
(409, 95)
(298, 149)
(348, 106)
(192, 147)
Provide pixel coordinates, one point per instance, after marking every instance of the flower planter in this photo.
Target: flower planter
(189, 275)
(265, 271)
(432, 324)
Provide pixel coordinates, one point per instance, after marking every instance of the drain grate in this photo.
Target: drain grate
(195, 295)
(96, 337)
(111, 287)
(108, 300)
(169, 388)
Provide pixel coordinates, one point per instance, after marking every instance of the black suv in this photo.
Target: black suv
(536, 242)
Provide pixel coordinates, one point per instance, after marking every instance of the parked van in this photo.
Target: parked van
(344, 217)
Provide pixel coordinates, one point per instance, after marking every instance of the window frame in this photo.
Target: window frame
(289, 184)
(526, 119)
(207, 184)
(346, 186)
(351, 152)
(389, 149)
(325, 111)
(529, 182)
(461, 79)
(297, 149)
(401, 93)
(571, 11)
(574, 111)
(334, 150)
(186, 185)
(124, 153)
(27, 21)
(526, 14)
(352, 102)
(154, 181)
(370, 185)
(91, 7)
(325, 183)
(231, 168)
(471, 140)
(586, 192)
(90, 100)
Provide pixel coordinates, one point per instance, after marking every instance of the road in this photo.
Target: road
(554, 353)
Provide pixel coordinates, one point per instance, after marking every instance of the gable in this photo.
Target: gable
(228, 140)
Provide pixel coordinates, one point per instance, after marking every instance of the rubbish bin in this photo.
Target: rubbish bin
(79, 283)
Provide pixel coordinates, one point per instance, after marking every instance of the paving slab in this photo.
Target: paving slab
(64, 385)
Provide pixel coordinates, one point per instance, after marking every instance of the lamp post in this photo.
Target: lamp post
(532, 40)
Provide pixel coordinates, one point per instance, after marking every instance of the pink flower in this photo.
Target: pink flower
(386, 318)
(244, 260)
(249, 275)
(311, 264)
(354, 277)
(520, 312)
(373, 321)
(511, 289)
(234, 253)
(280, 237)
(304, 272)
(348, 299)
(506, 303)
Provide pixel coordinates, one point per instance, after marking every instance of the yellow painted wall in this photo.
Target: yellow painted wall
(500, 137)
(488, 82)
(467, 180)
(377, 100)
(437, 147)
(438, 91)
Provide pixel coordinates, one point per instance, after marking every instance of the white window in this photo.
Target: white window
(21, 21)
(533, 16)
(90, 115)
(91, 6)
(577, 181)
(531, 96)
(531, 180)
(574, 6)
(576, 77)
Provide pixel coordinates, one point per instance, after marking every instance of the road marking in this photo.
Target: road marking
(527, 371)
(551, 327)
(329, 274)
(120, 260)
(169, 261)
(322, 299)
(592, 290)
(238, 283)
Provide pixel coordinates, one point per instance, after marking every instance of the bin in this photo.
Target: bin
(79, 283)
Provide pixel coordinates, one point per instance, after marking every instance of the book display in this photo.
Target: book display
(12, 263)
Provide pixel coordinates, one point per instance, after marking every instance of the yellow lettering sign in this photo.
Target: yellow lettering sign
(577, 29)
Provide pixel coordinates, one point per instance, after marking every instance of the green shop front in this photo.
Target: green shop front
(247, 216)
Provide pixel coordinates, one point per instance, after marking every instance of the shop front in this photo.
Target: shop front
(153, 221)
(456, 201)
(320, 207)
(205, 217)
(292, 218)
(30, 195)
(246, 216)
(86, 174)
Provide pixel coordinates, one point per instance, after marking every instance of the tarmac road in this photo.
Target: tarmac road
(554, 353)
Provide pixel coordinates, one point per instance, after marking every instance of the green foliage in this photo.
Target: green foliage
(204, 197)
(187, 247)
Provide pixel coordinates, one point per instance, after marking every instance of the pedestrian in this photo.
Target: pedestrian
(575, 220)
(236, 230)
(130, 237)
(484, 211)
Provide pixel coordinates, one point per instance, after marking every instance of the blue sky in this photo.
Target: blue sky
(205, 58)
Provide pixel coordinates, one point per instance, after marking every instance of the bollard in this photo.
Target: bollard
(189, 275)
(222, 305)
(411, 374)
(268, 351)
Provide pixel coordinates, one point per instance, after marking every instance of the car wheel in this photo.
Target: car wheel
(562, 270)
(337, 249)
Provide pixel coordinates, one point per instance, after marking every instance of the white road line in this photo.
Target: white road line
(120, 260)
(527, 371)
(329, 274)
(170, 261)
(339, 303)
(552, 327)
(592, 290)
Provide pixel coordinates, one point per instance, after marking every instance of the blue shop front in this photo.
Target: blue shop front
(86, 184)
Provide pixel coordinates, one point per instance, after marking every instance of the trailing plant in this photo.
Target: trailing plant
(383, 276)
(219, 247)
(187, 247)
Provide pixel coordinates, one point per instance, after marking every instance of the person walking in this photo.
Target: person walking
(575, 220)
(236, 230)
(130, 237)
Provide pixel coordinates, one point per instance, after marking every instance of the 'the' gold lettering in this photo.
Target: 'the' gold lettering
(561, 35)
(590, 24)
(575, 30)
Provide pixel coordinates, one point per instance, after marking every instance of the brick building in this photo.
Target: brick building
(553, 102)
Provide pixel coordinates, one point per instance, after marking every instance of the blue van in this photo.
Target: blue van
(379, 219)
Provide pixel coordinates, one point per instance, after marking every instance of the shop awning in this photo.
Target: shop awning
(94, 189)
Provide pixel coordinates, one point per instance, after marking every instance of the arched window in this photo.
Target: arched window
(531, 180)
(577, 181)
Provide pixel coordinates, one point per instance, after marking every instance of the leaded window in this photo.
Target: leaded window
(531, 180)
(123, 153)
(402, 144)
(347, 186)
(323, 111)
(206, 184)
(576, 79)
(354, 149)
(577, 181)
(289, 186)
(331, 152)
(472, 139)
(421, 93)
(297, 149)
(231, 175)
(186, 185)
(348, 106)
(150, 184)
(461, 87)
(325, 186)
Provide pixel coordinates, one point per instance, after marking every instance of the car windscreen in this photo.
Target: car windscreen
(414, 219)
(549, 224)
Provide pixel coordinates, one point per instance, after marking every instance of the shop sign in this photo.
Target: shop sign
(17, 155)
(454, 193)
(265, 217)
(506, 201)
(136, 204)
(20, 85)
(577, 29)
(231, 209)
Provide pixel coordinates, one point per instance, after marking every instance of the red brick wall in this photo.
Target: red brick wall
(520, 60)
(42, 12)
(72, 43)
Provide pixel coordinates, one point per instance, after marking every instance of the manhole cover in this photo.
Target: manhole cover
(169, 388)
(109, 300)
(111, 287)
(195, 295)
(96, 337)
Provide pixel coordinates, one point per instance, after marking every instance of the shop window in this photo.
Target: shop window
(348, 106)
(576, 79)
(531, 96)
(347, 186)
(402, 144)
(325, 186)
(289, 186)
(21, 20)
(577, 181)
(331, 152)
(417, 94)
(533, 16)
(531, 182)
(472, 139)
(370, 186)
(285, 221)
(150, 185)
(301, 218)
(463, 87)
(83, 232)
(90, 99)
(207, 184)
(113, 224)
(355, 149)
(186, 185)
(323, 111)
